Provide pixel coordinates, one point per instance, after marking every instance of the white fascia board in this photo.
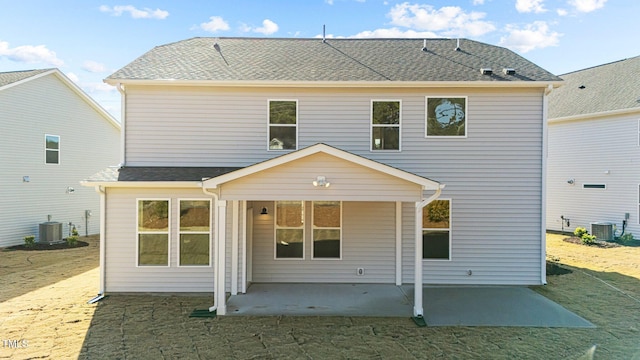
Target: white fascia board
(144, 184)
(594, 115)
(427, 184)
(338, 84)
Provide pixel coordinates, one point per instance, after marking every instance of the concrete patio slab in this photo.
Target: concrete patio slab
(443, 306)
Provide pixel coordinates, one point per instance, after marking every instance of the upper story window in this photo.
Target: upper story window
(446, 117)
(153, 232)
(52, 149)
(385, 125)
(283, 124)
(436, 230)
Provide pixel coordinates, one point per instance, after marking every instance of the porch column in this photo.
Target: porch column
(398, 243)
(417, 299)
(235, 236)
(220, 291)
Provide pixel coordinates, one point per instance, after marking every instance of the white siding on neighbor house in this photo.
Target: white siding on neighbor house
(493, 176)
(594, 151)
(368, 242)
(88, 144)
(122, 272)
(294, 181)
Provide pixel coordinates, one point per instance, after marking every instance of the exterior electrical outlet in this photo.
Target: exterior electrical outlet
(360, 271)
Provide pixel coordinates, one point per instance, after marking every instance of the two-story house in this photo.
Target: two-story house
(594, 146)
(326, 161)
(54, 136)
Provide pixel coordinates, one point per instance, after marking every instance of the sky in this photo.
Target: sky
(89, 40)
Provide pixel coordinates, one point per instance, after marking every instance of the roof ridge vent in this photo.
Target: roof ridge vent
(509, 71)
(486, 71)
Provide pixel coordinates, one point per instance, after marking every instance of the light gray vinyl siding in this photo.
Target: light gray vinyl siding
(584, 151)
(368, 241)
(493, 177)
(88, 144)
(122, 272)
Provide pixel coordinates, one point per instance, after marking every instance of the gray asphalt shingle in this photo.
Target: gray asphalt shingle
(337, 60)
(10, 77)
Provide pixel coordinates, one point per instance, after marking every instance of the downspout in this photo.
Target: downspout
(543, 212)
(214, 307)
(418, 311)
(103, 256)
(123, 112)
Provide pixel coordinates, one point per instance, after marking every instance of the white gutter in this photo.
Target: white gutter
(214, 307)
(103, 256)
(329, 84)
(543, 210)
(123, 112)
(144, 184)
(594, 115)
(418, 311)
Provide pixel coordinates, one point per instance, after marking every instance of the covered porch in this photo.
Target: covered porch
(317, 174)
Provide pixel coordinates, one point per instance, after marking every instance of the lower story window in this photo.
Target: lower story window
(436, 230)
(289, 229)
(153, 233)
(195, 219)
(327, 221)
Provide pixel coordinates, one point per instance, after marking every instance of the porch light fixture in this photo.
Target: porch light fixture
(264, 211)
(321, 181)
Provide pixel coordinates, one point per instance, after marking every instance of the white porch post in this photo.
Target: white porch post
(220, 290)
(398, 243)
(235, 237)
(417, 299)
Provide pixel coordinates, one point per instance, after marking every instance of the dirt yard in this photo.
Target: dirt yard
(44, 315)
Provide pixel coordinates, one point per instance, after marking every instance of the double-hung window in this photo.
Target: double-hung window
(289, 230)
(195, 229)
(283, 124)
(385, 125)
(436, 230)
(52, 149)
(153, 232)
(327, 225)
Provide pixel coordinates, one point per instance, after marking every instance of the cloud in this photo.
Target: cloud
(478, 2)
(268, 28)
(394, 33)
(562, 12)
(215, 24)
(73, 77)
(533, 36)
(527, 6)
(30, 54)
(135, 13)
(449, 20)
(93, 67)
(587, 5)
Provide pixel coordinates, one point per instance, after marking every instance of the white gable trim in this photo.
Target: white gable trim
(426, 184)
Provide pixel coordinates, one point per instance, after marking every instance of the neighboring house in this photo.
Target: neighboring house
(54, 136)
(594, 150)
(310, 161)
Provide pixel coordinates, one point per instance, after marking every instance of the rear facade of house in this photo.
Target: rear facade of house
(594, 147)
(340, 161)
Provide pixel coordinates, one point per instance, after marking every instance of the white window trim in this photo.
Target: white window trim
(466, 116)
(399, 126)
(275, 232)
(178, 232)
(450, 232)
(47, 149)
(313, 227)
(285, 125)
(168, 232)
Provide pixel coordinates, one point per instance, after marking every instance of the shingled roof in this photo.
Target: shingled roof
(608, 87)
(11, 77)
(272, 60)
(157, 173)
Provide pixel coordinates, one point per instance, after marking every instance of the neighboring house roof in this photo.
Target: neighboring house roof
(277, 60)
(601, 89)
(15, 78)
